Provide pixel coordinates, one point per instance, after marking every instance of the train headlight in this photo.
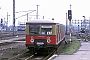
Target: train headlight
(48, 39)
(32, 39)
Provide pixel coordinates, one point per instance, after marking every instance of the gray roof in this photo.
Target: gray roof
(41, 21)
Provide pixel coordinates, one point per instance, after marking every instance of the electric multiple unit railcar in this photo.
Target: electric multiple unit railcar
(45, 34)
(22, 27)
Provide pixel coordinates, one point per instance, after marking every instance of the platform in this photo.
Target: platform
(82, 54)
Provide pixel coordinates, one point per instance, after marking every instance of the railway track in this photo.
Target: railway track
(29, 56)
(40, 57)
(4, 35)
(46, 57)
(10, 32)
(23, 56)
(11, 46)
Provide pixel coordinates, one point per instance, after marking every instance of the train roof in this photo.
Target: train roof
(41, 21)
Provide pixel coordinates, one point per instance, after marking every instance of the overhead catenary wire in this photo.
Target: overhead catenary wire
(25, 14)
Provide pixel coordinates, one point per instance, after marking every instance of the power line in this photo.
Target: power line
(25, 14)
(26, 11)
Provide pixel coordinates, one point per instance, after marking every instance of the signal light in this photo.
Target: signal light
(1, 20)
(70, 14)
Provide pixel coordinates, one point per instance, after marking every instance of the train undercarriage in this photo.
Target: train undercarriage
(34, 49)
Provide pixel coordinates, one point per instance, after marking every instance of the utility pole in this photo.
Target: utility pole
(43, 17)
(14, 18)
(37, 12)
(81, 23)
(27, 16)
(85, 28)
(89, 24)
(70, 26)
(70, 17)
(84, 22)
(66, 23)
(7, 21)
(70, 6)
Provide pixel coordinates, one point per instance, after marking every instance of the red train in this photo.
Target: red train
(44, 34)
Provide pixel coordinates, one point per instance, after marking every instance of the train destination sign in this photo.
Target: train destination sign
(46, 26)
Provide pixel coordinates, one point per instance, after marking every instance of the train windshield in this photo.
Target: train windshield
(46, 29)
(40, 30)
(34, 29)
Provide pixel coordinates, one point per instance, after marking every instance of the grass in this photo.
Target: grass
(71, 47)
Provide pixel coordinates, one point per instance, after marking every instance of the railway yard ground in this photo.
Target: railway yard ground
(11, 46)
(78, 49)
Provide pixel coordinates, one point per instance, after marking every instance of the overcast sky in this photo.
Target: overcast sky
(56, 9)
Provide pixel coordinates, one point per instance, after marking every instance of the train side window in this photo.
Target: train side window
(58, 29)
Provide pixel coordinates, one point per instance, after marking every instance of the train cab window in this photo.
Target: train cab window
(43, 32)
(34, 29)
(46, 30)
(49, 31)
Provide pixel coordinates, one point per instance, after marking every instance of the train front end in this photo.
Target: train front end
(41, 35)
